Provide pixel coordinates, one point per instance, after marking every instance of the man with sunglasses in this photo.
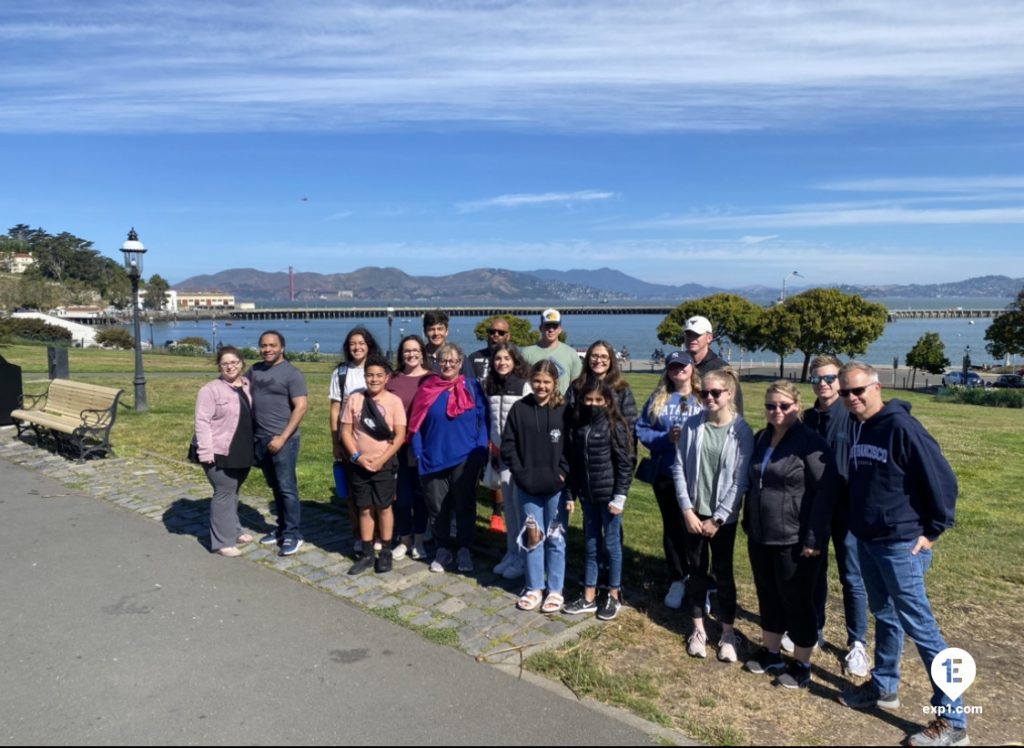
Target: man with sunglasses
(902, 497)
(479, 362)
(831, 420)
(549, 347)
(697, 338)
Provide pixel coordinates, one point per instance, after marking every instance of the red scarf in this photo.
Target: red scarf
(460, 399)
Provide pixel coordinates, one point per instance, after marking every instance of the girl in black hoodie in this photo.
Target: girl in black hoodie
(532, 447)
(601, 468)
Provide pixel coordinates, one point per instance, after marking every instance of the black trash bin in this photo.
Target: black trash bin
(57, 362)
(10, 390)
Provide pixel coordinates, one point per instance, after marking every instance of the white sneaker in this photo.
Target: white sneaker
(787, 644)
(696, 644)
(727, 648)
(856, 662)
(676, 591)
(399, 552)
(515, 569)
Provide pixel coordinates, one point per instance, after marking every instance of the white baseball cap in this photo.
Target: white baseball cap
(551, 317)
(699, 325)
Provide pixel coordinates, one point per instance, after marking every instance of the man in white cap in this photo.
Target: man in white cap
(698, 335)
(563, 356)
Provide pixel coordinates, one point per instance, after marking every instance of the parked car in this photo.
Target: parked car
(1013, 381)
(956, 378)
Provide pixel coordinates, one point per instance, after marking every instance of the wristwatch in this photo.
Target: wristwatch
(355, 457)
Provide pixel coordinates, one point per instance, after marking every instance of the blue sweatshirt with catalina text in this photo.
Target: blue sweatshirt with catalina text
(901, 487)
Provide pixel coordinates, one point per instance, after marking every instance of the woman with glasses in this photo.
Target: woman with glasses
(711, 473)
(410, 508)
(793, 486)
(448, 424)
(676, 398)
(600, 364)
(224, 438)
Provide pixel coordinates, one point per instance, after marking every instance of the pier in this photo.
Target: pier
(957, 313)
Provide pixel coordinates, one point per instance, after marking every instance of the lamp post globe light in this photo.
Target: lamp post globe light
(794, 274)
(133, 252)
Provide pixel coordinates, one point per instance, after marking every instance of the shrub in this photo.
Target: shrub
(115, 337)
(195, 341)
(982, 396)
(33, 331)
(185, 349)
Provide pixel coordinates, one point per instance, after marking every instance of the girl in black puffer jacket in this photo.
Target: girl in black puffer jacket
(601, 461)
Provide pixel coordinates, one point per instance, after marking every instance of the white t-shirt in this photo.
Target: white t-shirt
(355, 381)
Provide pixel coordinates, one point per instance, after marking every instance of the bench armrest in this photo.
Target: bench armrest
(29, 401)
(94, 419)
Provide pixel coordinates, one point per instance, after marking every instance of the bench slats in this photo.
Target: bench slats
(64, 410)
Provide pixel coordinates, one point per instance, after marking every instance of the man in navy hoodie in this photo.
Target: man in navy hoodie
(902, 497)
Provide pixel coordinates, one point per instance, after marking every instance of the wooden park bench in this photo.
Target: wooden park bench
(74, 413)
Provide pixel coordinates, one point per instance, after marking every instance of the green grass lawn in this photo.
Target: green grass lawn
(977, 569)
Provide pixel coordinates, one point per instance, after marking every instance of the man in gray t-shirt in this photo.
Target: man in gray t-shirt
(279, 403)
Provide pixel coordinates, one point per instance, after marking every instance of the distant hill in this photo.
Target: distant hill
(485, 285)
(615, 281)
(388, 284)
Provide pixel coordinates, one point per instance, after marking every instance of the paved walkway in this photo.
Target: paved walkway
(474, 612)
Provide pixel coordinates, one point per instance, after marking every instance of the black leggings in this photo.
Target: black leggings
(673, 534)
(785, 583)
(706, 556)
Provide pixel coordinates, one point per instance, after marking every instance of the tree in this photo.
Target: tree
(156, 293)
(36, 293)
(778, 332)
(929, 354)
(1006, 333)
(831, 321)
(732, 318)
(522, 334)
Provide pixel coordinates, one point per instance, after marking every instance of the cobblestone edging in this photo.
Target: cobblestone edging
(475, 613)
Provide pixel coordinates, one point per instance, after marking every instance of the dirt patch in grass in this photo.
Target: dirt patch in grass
(721, 704)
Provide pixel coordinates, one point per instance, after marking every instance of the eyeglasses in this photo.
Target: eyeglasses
(784, 407)
(496, 331)
(713, 394)
(229, 364)
(856, 391)
(449, 362)
(412, 352)
(826, 378)
(600, 357)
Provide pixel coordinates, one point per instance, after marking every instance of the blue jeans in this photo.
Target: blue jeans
(894, 580)
(855, 599)
(598, 523)
(410, 506)
(549, 557)
(279, 471)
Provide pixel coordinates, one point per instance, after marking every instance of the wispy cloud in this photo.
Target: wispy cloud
(114, 65)
(969, 185)
(751, 240)
(897, 216)
(544, 198)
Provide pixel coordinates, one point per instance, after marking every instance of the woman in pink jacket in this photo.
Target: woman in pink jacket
(224, 436)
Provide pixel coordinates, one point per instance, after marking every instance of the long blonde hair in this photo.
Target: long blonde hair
(666, 388)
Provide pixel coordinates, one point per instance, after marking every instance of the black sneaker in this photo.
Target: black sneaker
(867, 696)
(383, 563)
(797, 675)
(580, 605)
(764, 661)
(609, 609)
(289, 547)
(362, 563)
(270, 539)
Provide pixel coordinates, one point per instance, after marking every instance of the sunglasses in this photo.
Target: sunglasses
(826, 378)
(784, 407)
(713, 394)
(495, 331)
(856, 391)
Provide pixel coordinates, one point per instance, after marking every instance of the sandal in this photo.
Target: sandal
(529, 600)
(230, 552)
(245, 538)
(553, 603)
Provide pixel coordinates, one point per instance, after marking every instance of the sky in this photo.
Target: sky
(722, 142)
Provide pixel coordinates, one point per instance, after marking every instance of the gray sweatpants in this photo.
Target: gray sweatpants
(224, 524)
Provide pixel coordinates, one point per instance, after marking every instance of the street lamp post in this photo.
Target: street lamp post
(782, 299)
(133, 251)
(391, 319)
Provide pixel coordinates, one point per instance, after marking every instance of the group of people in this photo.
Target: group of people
(545, 431)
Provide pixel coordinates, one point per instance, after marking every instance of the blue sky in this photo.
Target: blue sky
(722, 143)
